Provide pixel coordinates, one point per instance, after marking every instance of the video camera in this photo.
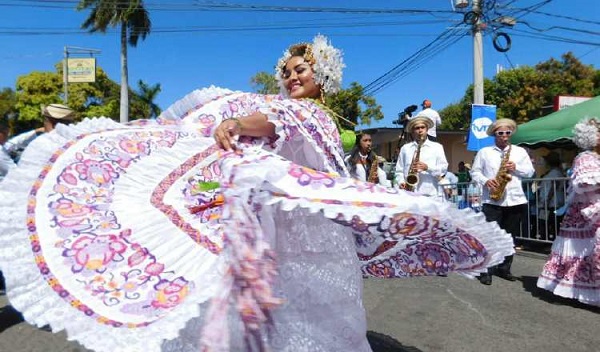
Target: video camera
(404, 115)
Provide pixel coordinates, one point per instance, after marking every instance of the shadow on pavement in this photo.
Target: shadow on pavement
(9, 317)
(530, 285)
(384, 343)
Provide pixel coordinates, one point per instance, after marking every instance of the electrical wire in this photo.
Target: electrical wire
(537, 35)
(566, 17)
(413, 62)
(196, 6)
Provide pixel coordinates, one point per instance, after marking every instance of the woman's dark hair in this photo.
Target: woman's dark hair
(354, 158)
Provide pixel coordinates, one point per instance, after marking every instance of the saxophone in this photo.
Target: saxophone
(502, 177)
(412, 179)
(373, 176)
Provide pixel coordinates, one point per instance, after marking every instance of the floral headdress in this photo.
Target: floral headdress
(325, 60)
(585, 133)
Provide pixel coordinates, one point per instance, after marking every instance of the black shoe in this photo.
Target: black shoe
(506, 276)
(485, 279)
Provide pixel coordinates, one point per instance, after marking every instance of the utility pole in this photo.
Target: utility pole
(477, 55)
(66, 77)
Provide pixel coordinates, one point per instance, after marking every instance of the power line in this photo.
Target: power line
(566, 17)
(191, 29)
(195, 6)
(447, 38)
(570, 29)
(537, 35)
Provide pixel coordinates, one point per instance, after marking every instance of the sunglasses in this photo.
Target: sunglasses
(503, 133)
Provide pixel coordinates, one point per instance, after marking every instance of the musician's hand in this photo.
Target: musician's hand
(492, 184)
(510, 166)
(421, 166)
(402, 185)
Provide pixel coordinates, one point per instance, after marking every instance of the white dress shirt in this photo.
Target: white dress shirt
(361, 174)
(432, 154)
(486, 165)
(433, 116)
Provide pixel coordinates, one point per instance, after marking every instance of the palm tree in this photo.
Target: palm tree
(134, 22)
(147, 95)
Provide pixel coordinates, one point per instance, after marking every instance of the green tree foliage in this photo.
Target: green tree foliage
(8, 100)
(354, 106)
(134, 23)
(264, 83)
(527, 93)
(33, 90)
(349, 103)
(100, 98)
(147, 94)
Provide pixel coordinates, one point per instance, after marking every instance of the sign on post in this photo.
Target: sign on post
(81, 70)
(482, 116)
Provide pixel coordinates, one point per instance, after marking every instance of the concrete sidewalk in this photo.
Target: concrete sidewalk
(451, 314)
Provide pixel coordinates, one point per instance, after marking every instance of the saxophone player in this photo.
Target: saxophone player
(363, 163)
(499, 169)
(422, 161)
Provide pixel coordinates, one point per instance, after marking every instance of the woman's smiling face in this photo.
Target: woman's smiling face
(298, 79)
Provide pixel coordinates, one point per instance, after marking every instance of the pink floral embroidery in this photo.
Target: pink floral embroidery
(95, 253)
(68, 209)
(98, 172)
(311, 177)
(154, 269)
(91, 237)
(170, 293)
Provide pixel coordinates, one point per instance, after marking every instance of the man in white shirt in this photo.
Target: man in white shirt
(509, 209)
(433, 116)
(430, 164)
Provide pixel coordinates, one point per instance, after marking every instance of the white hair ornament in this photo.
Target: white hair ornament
(585, 133)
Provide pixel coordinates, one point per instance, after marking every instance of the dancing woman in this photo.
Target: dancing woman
(573, 269)
(151, 236)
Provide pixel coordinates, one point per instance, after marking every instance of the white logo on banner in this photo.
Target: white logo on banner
(480, 126)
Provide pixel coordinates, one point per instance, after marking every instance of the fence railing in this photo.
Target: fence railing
(544, 196)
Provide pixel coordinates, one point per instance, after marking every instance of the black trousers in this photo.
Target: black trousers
(509, 219)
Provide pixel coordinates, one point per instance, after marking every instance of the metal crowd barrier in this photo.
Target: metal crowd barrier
(544, 196)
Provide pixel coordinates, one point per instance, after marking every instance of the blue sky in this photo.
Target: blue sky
(190, 49)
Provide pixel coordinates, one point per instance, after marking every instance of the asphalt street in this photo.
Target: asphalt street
(453, 314)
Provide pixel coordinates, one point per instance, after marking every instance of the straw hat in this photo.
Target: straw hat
(501, 123)
(58, 112)
(419, 119)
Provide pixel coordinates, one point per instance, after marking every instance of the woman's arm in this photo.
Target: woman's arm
(254, 125)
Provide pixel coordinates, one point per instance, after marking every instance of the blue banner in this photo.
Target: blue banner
(482, 116)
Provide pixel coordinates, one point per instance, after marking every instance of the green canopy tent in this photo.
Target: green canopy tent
(555, 130)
